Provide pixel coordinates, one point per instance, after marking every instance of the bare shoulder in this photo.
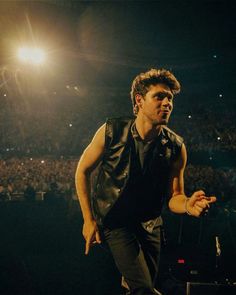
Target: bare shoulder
(99, 137)
(97, 145)
(181, 161)
(93, 154)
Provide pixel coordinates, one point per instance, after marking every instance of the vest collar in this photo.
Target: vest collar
(136, 135)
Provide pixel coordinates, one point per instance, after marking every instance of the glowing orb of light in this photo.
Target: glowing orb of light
(34, 56)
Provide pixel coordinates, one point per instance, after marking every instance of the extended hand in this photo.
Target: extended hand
(91, 234)
(198, 203)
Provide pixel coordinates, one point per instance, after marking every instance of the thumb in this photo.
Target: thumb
(211, 199)
(98, 239)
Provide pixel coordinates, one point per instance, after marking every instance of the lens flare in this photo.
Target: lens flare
(31, 55)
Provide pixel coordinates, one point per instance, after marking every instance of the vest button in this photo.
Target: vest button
(151, 224)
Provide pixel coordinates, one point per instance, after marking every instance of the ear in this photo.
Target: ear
(138, 99)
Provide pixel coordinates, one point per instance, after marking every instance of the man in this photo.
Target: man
(142, 163)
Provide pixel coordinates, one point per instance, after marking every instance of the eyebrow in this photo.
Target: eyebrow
(169, 94)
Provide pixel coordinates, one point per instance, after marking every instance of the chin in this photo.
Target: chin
(163, 122)
(166, 122)
(160, 122)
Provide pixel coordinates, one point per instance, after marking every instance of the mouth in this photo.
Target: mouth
(165, 112)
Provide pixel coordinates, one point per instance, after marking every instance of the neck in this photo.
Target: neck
(146, 130)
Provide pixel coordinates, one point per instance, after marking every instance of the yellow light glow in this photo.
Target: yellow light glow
(31, 55)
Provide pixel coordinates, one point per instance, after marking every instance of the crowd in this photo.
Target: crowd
(18, 177)
(219, 182)
(207, 130)
(41, 140)
(64, 125)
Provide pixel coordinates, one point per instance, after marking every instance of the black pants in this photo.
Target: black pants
(136, 252)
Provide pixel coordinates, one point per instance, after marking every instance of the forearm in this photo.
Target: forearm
(177, 203)
(82, 182)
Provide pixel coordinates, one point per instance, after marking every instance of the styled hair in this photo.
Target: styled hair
(143, 81)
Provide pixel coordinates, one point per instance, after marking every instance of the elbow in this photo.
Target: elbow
(170, 205)
(82, 172)
(172, 202)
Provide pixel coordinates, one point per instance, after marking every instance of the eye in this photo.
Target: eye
(168, 95)
(161, 95)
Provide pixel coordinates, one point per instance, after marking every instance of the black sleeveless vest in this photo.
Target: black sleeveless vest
(114, 174)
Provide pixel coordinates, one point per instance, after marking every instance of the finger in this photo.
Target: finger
(200, 204)
(212, 199)
(87, 245)
(203, 204)
(196, 196)
(200, 193)
(97, 237)
(200, 209)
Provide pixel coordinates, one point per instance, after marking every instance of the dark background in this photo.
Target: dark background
(99, 47)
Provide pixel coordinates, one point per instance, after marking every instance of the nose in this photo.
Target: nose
(166, 101)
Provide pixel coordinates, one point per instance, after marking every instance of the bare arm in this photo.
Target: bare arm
(88, 162)
(179, 203)
(178, 197)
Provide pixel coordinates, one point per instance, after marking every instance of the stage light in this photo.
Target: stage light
(220, 95)
(38, 56)
(218, 138)
(42, 161)
(189, 116)
(23, 54)
(4, 94)
(215, 56)
(34, 56)
(70, 125)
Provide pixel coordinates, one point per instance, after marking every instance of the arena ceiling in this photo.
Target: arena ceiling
(107, 42)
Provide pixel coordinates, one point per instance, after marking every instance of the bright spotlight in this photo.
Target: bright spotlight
(31, 55)
(38, 56)
(23, 54)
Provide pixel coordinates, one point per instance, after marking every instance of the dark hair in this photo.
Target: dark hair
(142, 82)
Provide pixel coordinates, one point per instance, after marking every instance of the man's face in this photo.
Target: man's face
(156, 106)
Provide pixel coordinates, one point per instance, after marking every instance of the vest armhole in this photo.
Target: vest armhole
(108, 134)
(115, 127)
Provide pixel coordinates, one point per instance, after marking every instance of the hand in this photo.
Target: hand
(91, 234)
(198, 203)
